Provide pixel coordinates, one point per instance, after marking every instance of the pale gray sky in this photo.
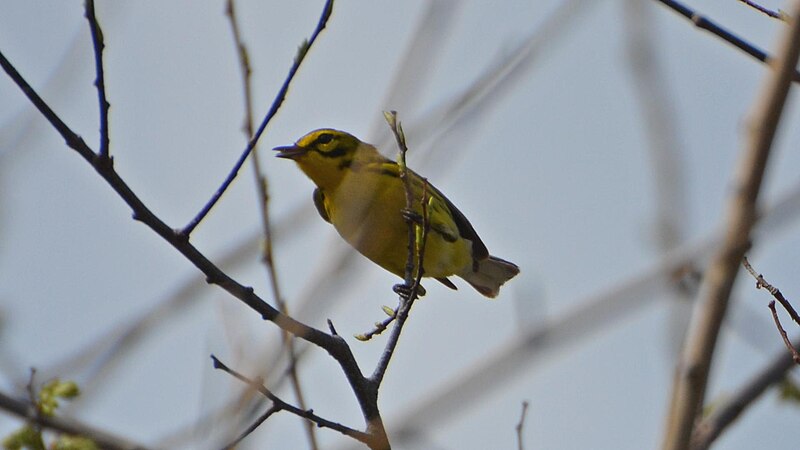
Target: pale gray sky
(554, 169)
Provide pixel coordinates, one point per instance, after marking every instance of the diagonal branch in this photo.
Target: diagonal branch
(282, 405)
(712, 426)
(704, 23)
(26, 410)
(774, 14)
(778, 295)
(775, 292)
(691, 376)
(254, 426)
(276, 104)
(784, 336)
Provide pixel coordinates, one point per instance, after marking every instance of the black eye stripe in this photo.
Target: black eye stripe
(337, 152)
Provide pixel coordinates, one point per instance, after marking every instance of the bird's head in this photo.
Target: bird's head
(325, 155)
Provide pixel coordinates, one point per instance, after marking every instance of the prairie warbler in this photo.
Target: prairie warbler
(361, 193)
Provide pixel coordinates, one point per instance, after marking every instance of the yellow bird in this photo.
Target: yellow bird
(361, 193)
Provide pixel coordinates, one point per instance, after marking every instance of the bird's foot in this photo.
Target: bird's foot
(404, 290)
(411, 216)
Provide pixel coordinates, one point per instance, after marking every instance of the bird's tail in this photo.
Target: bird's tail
(491, 273)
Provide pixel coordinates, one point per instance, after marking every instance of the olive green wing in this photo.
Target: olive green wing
(445, 218)
(445, 215)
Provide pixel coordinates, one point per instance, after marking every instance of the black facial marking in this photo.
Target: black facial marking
(336, 152)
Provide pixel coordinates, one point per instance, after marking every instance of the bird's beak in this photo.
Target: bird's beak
(290, 151)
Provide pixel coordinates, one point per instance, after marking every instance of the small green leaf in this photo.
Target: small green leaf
(66, 389)
(24, 438)
(74, 443)
(789, 391)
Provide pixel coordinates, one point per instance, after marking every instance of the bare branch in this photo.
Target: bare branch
(692, 374)
(705, 24)
(282, 405)
(257, 423)
(723, 416)
(786, 341)
(276, 104)
(762, 283)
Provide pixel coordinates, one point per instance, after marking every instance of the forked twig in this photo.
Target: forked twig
(284, 406)
(276, 104)
(786, 341)
(776, 293)
(762, 283)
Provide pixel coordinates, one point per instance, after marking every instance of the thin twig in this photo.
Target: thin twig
(691, 377)
(27, 410)
(253, 426)
(724, 415)
(706, 24)
(413, 279)
(786, 341)
(276, 104)
(282, 405)
(416, 252)
(762, 283)
(98, 45)
(379, 327)
(263, 200)
(774, 14)
(776, 293)
(521, 425)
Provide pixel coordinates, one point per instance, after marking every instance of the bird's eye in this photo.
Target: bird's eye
(325, 138)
